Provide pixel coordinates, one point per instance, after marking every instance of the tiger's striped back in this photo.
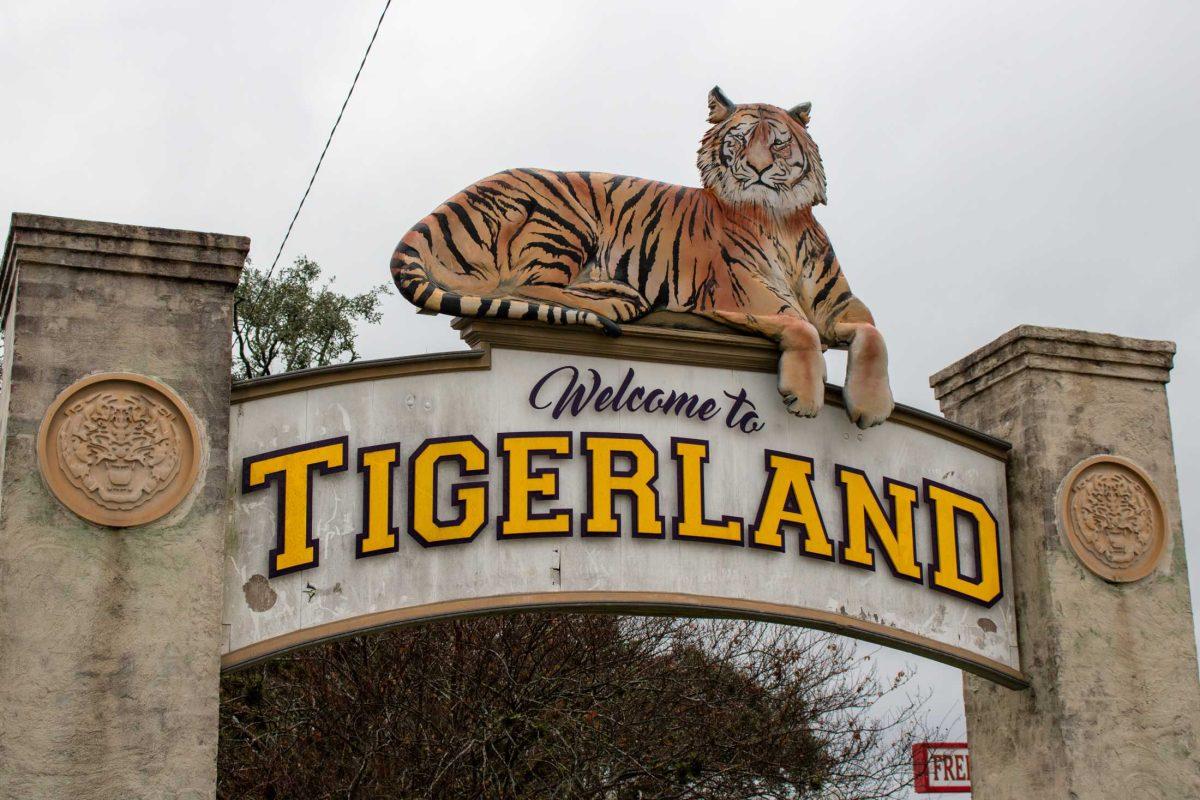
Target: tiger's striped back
(489, 249)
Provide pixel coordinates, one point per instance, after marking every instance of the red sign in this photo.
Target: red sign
(941, 767)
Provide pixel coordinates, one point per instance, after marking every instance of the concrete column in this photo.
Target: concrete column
(1114, 706)
(110, 637)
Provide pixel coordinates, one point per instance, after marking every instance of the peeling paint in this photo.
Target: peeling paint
(259, 594)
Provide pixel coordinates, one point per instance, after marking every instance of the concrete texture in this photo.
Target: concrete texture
(110, 639)
(1114, 704)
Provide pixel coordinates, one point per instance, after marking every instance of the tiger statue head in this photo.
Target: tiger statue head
(761, 155)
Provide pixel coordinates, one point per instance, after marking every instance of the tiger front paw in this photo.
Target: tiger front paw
(802, 382)
(868, 392)
(868, 402)
(804, 406)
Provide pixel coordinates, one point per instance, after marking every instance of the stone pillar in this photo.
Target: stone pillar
(1114, 706)
(110, 636)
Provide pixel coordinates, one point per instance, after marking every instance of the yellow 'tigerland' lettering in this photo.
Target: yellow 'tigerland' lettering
(295, 546)
(469, 498)
(377, 465)
(522, 484)
(606, 482)
(948, 505)
(862, 510)
(788, 500)
(691, 455)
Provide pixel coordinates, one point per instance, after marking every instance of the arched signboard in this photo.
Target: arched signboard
(656, 473)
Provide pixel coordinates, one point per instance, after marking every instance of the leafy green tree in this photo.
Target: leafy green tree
(290, 321)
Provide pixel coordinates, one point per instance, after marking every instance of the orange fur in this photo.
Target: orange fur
(598, 249)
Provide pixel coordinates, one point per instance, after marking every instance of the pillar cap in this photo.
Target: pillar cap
(86, 244)
(1053, 350)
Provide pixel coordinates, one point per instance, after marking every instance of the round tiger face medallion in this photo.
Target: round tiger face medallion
(1111, 515)
(119, 449)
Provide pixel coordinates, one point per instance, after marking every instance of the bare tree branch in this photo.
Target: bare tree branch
(581, 707)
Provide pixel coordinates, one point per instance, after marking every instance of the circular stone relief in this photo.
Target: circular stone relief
(119, 449)
(1113, 518)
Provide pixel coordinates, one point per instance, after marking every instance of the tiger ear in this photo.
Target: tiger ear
(801, 113)
(719, 106)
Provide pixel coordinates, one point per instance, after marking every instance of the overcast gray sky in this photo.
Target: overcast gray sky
(989, 164)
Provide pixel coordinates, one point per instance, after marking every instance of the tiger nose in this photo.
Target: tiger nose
(759, 158)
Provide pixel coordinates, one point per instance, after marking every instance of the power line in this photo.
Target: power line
(325, 149)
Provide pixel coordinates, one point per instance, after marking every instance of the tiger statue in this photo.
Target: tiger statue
(594, 249)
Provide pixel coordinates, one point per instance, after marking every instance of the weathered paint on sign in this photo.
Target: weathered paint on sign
(578, 481)
(941, 767)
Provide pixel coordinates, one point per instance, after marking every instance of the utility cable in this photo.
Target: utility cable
(328, 140)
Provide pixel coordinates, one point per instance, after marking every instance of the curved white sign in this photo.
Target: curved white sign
(516, 478)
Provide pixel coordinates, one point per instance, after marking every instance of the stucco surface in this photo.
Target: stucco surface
(109, 638)
(1114, 704)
